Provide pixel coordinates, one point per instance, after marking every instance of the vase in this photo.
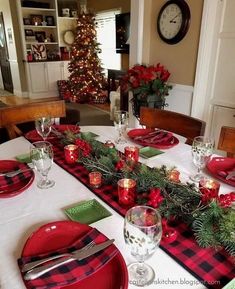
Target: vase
(153, 101)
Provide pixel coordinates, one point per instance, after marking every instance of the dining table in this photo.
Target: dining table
(24, 213)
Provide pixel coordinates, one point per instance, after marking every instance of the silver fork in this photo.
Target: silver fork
(31, 265)
(14, 173)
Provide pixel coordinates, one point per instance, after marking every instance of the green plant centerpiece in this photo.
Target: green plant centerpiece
(148, 85)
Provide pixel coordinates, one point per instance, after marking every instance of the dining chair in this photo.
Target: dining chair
(227, 140)
(181, 124)
(12, 116)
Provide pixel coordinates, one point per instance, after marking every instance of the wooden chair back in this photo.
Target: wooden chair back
(178, 123)
(13, 115)
(227, 140)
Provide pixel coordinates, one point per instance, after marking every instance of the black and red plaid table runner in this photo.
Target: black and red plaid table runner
(213, 269)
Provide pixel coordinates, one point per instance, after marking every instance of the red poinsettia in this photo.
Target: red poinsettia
(84, 147)
(145, 80)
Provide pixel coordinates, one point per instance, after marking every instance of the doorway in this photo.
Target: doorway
(4, 62)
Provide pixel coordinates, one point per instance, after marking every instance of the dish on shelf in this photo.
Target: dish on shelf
(219, 167)
(154, 138)
(18, 184)
(60, 234)
(87, 212)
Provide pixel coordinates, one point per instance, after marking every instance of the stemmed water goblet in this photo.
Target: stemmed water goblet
(202, 149)
(41, 154)
(142, 233)
(121, 119)
(43, 126)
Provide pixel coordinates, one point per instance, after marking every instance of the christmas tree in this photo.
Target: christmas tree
(86, 74)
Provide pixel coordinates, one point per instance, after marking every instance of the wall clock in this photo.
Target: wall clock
(173, 21)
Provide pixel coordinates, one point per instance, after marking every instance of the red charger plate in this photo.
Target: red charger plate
(17, 188)
(60, 234)
(34, 136)
(217, 164)
(144, 131)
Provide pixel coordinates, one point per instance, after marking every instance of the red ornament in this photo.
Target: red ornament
(169, 235)
(225, 200)
(155, 198)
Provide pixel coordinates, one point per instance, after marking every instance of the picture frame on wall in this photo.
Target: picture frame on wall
(50, 20)
(40, 36)
(36, 20)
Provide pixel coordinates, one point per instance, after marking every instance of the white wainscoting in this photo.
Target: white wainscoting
(179, 100)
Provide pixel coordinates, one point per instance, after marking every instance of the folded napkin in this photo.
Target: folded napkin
(156, 137)
(6, 182)
(75, 270)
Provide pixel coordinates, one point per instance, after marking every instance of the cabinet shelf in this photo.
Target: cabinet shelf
(38, 9)
(39, 26)
(46, 43)
(68, 18)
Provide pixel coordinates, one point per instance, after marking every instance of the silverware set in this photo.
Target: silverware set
(14, 173)
(34, 270)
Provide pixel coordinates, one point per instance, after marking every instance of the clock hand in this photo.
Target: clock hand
(172, 20)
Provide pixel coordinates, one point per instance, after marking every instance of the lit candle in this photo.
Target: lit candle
(209, 186)
(131, 153)
(71, 153)
(95, 179)
(174, 176)
(126, 192)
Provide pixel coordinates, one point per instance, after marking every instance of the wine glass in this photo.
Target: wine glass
(142, 233)
(43, 126)
(41, 154)
(202, 149)
(121, 118)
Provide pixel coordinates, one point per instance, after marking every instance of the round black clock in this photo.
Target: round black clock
(173, 21)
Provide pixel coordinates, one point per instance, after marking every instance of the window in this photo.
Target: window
(106, 36)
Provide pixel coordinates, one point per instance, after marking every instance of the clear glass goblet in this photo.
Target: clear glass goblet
(142, 233)
(41, 154)
(121, 119)
(43, 126)
(202, 149)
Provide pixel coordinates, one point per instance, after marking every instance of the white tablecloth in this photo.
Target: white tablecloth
(24, 213)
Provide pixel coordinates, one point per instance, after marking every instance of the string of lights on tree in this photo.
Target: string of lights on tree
(86, 78)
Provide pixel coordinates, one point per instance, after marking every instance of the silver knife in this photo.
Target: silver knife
(39, 271)
(230, 175)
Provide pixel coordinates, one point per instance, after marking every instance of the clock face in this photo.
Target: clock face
(170, 21)
(173, 21)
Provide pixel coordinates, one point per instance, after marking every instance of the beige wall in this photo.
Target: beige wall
(180, 59)
(111, 4)
(99, 5)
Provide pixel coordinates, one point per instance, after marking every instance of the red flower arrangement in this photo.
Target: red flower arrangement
(148, 84)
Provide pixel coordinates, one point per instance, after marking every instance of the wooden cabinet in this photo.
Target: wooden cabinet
(38, 77)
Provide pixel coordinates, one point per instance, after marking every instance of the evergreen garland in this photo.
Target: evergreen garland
(213, 224)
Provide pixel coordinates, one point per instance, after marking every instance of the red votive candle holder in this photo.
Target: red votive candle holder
(131, 153)
(126, 192)
(71, 154)
(209, 187)
(174, 176)
(95, 179)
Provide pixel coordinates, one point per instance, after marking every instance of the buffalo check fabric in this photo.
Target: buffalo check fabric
(5, 181)
(75, 270)
(213, 269)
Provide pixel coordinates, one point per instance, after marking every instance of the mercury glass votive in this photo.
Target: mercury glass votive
(95, 179)
(210, 187)
(174, 176)
(132, 153)
(126, 192)
(71, 153)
